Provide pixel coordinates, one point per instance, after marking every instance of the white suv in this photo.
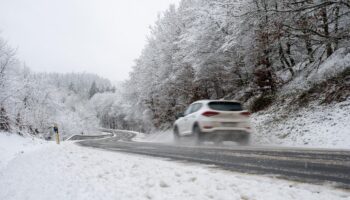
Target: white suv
(214, 120)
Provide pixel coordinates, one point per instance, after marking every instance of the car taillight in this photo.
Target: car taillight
(247, 114)
(210, 113)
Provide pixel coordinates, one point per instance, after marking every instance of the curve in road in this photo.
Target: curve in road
(306, 165)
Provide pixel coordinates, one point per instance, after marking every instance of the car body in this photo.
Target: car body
(214, 120)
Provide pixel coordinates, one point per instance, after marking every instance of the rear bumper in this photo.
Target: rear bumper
(217, 128)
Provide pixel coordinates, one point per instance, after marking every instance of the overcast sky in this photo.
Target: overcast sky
(98, 36)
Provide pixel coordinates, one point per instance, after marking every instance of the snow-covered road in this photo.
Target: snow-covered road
(68, 172)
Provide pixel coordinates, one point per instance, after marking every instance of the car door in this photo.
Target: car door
(191, 118)
(183, 123)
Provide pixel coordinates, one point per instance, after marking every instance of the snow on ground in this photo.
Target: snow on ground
(68, 171)
(315, 126)
(334, 65)
(331, 67)
(158, 137)
(12, 146)
(326, 126)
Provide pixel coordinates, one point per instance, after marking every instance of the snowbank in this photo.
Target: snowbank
(315, 126)
(13, 145)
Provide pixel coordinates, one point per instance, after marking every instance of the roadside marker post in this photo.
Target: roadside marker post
(55, 129)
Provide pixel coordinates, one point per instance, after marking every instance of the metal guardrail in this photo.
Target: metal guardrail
(121, 134)
(88, 137)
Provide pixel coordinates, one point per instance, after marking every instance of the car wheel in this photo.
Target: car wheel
(196, 133)
(176, 134)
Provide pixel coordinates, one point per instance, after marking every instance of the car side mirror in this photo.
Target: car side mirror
(179, 115)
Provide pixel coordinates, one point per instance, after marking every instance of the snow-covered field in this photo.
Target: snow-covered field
(47, 171)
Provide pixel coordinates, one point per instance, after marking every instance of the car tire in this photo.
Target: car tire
(196, 135)
(176, 134)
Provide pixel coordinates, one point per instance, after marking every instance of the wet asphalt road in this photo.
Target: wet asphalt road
(88, 137)
(317, 166)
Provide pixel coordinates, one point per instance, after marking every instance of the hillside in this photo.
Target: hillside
(265, 54)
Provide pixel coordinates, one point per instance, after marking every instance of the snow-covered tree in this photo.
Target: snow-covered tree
(211, 49)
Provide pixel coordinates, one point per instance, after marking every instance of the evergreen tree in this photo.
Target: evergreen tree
(4, 120)
(72, 88)
(93, 90)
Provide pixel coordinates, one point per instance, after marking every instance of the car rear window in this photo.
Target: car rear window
(225, 106)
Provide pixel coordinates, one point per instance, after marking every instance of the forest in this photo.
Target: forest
(31, 103)
(232, 49)
(248, 50)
